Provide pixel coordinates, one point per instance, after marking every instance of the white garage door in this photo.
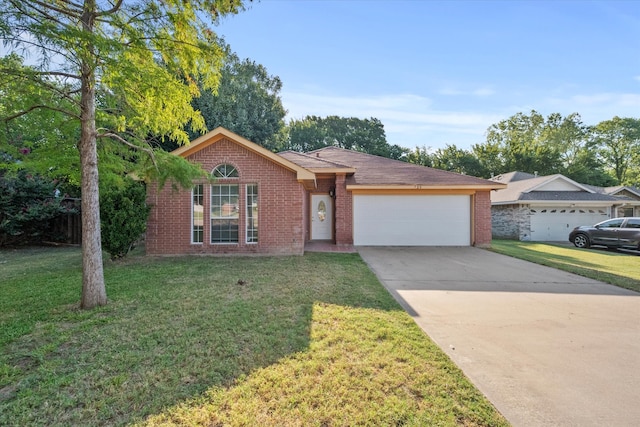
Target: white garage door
(555, 223)
(437, 220)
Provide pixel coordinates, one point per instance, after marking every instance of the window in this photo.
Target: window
(225, 171)
(224, 213)
(197, 214)
(252, 213)
(612, 223)
(633, 223)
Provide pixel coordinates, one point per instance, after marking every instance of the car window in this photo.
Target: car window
(633, 223)
(612, 223)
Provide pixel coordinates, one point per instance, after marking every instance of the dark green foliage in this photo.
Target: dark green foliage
(351, 133)
(27, 205)
(123, 217)
(552, 145)
(247, 102)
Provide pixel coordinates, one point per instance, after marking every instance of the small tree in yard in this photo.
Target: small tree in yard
(127, 68)
(123, 215)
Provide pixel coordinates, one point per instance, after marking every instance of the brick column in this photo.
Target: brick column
(344, 212)
(482, 218)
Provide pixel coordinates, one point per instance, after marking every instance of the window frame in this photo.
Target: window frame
(225, 171)
(252, 221)
(219, 219)
(200, 195)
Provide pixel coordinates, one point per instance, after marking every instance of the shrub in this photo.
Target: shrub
(28, 203)
(123, 217)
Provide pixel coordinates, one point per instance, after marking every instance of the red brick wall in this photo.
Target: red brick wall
(281, 208)
(482, 217)
(344, 212)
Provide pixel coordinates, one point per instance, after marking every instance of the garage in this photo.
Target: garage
(555, 223)
(412, 220)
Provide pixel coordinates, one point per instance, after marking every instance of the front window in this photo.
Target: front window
(197, 214)
(252, 213)
(224, 213)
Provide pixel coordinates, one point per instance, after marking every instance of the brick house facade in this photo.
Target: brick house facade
(261, 202)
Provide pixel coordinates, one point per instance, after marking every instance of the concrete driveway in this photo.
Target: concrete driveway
(547, 348)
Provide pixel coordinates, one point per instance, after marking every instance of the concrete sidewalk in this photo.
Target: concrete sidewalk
(548, 348)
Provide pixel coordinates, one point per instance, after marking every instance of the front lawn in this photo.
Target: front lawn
(618, 268)
(273, 341)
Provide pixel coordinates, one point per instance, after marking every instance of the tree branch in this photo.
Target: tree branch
(48, 6)
(128, 144)
(57, 73)
(37, 107)
(114, 9)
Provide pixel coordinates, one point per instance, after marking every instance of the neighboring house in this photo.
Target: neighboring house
(266, 203)
(547, 208)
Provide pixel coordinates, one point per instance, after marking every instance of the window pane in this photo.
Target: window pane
(252, 213)
(224, 213)
(225, 171)
(197, 214)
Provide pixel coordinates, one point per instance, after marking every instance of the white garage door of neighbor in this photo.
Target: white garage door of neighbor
(434, 220)
(549, 224)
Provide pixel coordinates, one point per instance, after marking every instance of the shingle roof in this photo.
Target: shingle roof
(512, 177)
(376, 170)
(524, 189)
(310, 162)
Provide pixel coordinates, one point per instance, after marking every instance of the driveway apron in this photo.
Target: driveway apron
(547, 348)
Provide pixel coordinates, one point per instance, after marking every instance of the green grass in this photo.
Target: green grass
(618, 268)
(313, 340)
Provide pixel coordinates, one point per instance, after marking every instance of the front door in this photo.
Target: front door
(321, 217)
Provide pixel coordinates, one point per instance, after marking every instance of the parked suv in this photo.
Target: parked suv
(613, 233)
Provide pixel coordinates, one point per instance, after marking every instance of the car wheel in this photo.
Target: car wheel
(581, 241)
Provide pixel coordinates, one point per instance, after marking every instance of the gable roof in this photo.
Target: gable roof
(523, 189)
(384, 173)
(304, 176)
(622, 188)
(362, 170)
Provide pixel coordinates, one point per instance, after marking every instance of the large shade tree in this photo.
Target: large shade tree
(127, 69)
(247, 102)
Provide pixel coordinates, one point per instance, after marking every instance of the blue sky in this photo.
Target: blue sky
(441, 72)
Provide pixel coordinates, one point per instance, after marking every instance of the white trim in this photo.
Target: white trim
(192, 218)
(246, 214)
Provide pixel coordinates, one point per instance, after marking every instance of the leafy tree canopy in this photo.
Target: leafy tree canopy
(618, 141)
(120, 70)
(366, 135)
(605, 154)
(247, 103)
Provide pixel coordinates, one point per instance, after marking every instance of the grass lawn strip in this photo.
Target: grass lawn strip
(618, 268)
(313, 340)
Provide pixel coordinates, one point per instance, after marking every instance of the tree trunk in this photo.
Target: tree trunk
(93, 288)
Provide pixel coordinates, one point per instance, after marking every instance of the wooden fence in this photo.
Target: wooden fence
(67, 228)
